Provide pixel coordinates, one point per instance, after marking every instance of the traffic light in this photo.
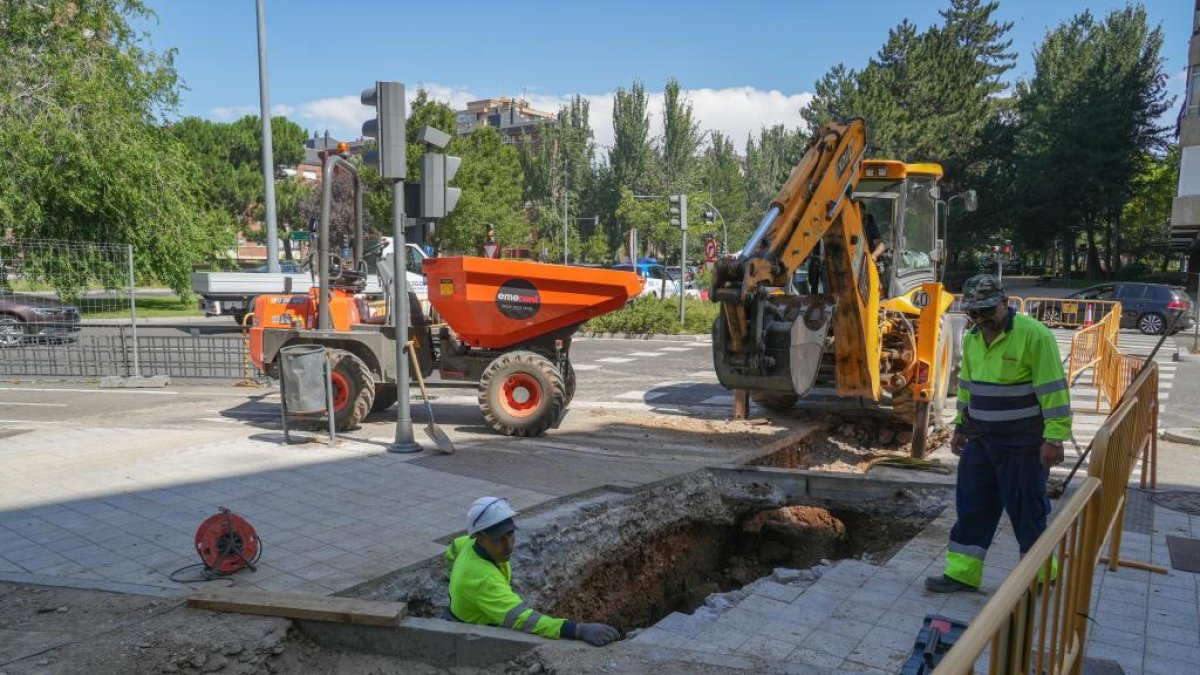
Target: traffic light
(438, 199)
(677, 210)
(387, 127)
(710, 216)
(1008, 246)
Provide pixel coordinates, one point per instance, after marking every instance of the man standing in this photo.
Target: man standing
(481, 580)
(1014, 412)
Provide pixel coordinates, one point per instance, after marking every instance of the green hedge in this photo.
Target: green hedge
(652, 315)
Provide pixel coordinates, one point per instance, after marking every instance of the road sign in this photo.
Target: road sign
(299, 235)
(710, 250)
(490, 250)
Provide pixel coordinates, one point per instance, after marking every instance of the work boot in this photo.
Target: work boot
(945, 584)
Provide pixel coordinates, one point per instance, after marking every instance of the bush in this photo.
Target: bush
(647, 316)
(1133, 272)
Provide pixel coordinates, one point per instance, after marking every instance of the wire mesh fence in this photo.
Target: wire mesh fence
(116, 354)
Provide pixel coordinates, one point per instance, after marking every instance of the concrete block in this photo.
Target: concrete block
(118, 382)
(441, 643)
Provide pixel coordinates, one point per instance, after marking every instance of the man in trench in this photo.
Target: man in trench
(481, 580)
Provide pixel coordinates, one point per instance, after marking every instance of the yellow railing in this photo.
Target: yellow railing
(1085, 345)
(1020, 616)
(1069, 313)
(1044, 630)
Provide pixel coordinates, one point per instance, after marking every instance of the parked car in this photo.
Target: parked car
(29, 318)
(658, 281)
(1151, 308)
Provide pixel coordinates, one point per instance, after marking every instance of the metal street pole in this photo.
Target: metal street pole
(404, 442)
(268, 155)
(566, 203)
(682, 271)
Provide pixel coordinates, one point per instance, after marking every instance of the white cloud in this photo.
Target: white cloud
(735, 111)
(233, 112)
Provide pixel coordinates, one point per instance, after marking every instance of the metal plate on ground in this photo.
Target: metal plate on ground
(1139, 511)
(1184, 501)
(1185, 553)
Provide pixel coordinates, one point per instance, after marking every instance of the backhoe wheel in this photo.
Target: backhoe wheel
(522, 394)
(353, 389)
(774, 401)
(385, 397)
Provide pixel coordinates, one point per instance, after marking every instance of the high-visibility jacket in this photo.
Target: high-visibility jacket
(1013, 392)
(481, 593)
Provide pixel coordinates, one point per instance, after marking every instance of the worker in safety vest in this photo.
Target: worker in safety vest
(480, 580)
(1014, 412)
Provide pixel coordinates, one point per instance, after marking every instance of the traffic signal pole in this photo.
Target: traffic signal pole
(404, 442)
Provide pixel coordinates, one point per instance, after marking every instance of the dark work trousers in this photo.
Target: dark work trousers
(992, 479)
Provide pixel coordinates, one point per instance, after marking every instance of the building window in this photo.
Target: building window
(1193, 93)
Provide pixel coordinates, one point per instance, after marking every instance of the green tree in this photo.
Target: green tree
(680, 141)
(1088, 117)
(490, 179)
(1146, 217)
(83, 100)
(769, 161)
(723, 180)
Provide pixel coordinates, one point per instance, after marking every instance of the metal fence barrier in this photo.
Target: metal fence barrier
(1085, 345)
(1069, 313)
(1023, 611)
(93, 356)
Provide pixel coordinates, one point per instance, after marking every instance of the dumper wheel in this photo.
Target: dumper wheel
(353, 389)
(569, 382)
(522, 394)
(774, 401)
(385, 397)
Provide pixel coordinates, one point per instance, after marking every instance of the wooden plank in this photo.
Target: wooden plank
(301, 606)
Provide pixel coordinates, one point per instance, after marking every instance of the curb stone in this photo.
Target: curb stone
(1185, 357)
(1181, 435)
(691, 337)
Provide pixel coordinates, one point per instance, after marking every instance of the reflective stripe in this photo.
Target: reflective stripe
(1005, 415)
(962, 405)
(964, 568)
(1050, 387)
(510, 619)
(980, 389)
(531, 622)
(966, 549)
(1059, 411)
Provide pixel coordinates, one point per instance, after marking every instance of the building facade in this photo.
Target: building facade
(512, 117)
(1185, 210)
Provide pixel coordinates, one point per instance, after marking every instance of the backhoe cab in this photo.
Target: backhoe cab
(864, 333)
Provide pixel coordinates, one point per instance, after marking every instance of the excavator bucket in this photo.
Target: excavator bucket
(493, 304)
(809, 334)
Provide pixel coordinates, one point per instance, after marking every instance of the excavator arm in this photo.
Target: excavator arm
(768, 340)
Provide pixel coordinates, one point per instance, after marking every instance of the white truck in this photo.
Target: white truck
(232, 293)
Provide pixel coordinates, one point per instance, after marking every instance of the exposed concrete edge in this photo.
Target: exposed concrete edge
(1180, 435)
(1186, 357)
(134, 382)
(444, 644)
(822, 486)
(666, 337)
(95, 585)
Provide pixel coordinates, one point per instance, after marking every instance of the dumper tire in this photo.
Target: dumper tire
(569, 381)
(522, 393)
(775, 401)
(353, 389)
(385, 397)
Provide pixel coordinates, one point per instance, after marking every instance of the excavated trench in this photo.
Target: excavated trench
(676, 571)
(629, 558)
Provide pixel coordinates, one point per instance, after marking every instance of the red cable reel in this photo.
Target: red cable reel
(226, 543)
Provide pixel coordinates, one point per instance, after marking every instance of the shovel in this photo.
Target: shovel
(435, 433)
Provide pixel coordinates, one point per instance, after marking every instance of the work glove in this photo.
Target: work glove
(596, 634)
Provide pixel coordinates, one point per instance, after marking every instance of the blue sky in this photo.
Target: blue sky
(743, 64)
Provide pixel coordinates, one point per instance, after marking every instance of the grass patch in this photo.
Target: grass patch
(652, 315)
(147, 307)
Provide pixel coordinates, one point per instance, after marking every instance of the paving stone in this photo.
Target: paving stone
(883, 648)
(681, 624)
(810, 656)
(777, 591)
(761, 604)
(767, 648)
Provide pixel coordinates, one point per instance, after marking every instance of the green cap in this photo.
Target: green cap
(981, 292)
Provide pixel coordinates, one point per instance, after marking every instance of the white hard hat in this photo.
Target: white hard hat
(486, 512)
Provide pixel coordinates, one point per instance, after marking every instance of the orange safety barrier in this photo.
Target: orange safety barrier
(1042, 628)
(1069, 313)
(1085, 345)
